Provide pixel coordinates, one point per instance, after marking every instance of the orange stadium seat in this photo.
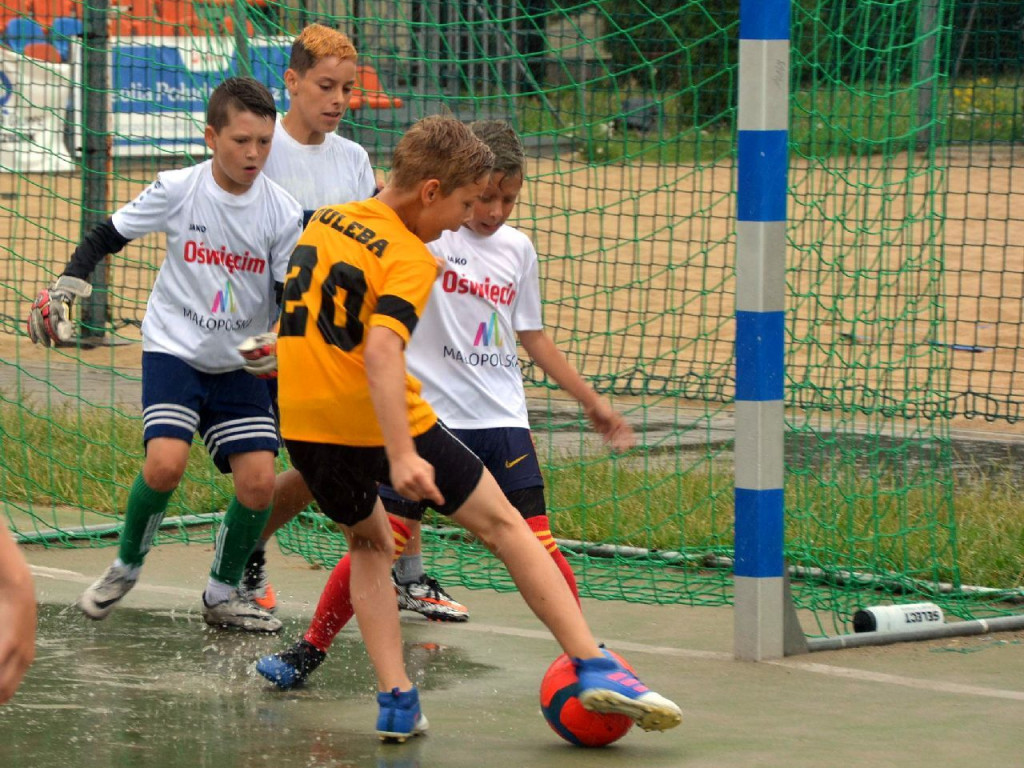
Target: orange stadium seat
(122, 26)
(6, 14)
(13, 9)
(45, 11)
(180, 17)
(10, 9)
(133, 17)
(154, 27)
(42, 52)
(370, 91)
(144, 9)
(229, 26)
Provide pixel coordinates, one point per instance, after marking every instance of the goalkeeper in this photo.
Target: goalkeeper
(230, 231)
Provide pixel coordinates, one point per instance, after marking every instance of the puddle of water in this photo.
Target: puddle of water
(158, 689)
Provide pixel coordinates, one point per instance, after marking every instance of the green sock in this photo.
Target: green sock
(235, 539)
(142, 518)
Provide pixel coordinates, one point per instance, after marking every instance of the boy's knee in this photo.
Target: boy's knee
(162, 472)
(496, 524)
(382, 545)
(291, 483)
(254, 477)
(255, 489)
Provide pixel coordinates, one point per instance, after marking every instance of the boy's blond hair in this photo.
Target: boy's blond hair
(317, 42)
(443, 148)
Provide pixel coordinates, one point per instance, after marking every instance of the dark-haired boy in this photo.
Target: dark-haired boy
(230, 231)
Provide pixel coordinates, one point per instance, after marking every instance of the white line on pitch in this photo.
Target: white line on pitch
(618, 645)
(535, 634)
(80, 578)
(936, 686)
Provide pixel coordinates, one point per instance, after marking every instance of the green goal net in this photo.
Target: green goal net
(905, 272)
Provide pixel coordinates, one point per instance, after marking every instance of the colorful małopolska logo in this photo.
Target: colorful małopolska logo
(224, 301)
(488, 334)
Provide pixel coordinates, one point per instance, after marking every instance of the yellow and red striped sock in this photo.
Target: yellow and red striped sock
(542, 530)
(335, 607)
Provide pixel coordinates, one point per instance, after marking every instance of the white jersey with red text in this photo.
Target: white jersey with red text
(224, 253)
(464, 349)
(334, 172)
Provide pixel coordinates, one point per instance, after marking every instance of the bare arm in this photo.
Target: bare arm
(411, 475)
(18, 608)
(618, 435)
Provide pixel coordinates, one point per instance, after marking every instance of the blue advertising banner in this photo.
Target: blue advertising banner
(159, 87)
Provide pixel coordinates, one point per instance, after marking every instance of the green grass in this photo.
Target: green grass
(650, 508)
(990, 528)
(581, 120)
(901, 522)
(88, 459)
(858, 121)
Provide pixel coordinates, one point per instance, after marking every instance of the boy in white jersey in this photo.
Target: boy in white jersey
(464, 354)
(308, 157)
(319, 167)
(230, 231)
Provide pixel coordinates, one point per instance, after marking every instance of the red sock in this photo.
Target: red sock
(542, 530)
(335, 607)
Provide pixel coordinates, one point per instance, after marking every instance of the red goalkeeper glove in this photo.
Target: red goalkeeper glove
(49, 320)
(260, 353)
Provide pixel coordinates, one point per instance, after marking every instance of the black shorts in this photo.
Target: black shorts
(507, 452)
(344, 479)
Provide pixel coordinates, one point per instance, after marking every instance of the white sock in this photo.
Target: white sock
(217, 592)
(133, 570)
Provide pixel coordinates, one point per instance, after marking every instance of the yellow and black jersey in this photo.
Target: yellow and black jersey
(355, 266)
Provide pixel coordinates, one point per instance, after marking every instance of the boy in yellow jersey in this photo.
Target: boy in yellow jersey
(352, 417)
(319, 167)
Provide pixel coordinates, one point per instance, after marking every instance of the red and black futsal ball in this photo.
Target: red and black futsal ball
(567, 717)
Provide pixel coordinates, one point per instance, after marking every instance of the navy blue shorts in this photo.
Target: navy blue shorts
(344, 479)
(230, 410)
(508, 453)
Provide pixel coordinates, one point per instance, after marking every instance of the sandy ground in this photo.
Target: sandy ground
(637, 270)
